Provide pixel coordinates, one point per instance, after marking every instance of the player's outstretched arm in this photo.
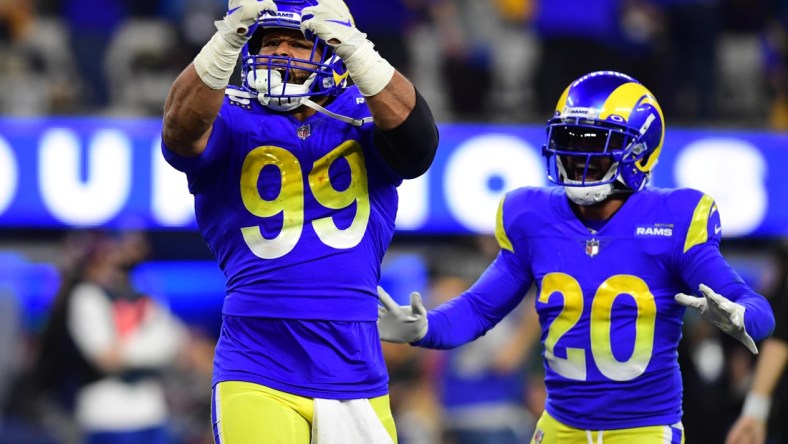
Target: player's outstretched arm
(197, 94)
(727, 315)
(407, 136)
(401, 324)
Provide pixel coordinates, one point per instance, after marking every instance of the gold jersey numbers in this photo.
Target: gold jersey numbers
(290, 199)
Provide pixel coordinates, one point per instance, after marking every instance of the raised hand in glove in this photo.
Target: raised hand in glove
(727, 315)
(216, 61)
(331, 21)
(398, 323)
(241, 17)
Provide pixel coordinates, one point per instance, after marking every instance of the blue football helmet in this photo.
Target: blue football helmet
(604, 138)
(267, 76)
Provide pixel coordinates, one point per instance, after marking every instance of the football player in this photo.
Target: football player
(613, 262)
(294, 178)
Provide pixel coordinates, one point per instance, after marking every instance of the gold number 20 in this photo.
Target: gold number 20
(574, 365)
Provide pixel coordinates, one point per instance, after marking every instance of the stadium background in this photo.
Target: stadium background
(83, 85)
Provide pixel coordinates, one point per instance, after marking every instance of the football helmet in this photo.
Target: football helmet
(604, 138)
(268, 76)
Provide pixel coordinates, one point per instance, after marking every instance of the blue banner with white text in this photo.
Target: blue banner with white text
(102, 172)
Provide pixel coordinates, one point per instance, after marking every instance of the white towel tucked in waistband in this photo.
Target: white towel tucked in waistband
(347, 422)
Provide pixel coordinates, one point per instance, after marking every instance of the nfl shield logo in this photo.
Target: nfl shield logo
(303, 132)
(592, 247)
(538, 436)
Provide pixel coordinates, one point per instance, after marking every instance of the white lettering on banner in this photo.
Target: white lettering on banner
(480, 160)
(731, 171)
(171, 203)
(9, 176)
(414, 198)
(105, 190)
(94, 186)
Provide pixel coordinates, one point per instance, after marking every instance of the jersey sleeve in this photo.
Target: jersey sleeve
(701, 262)
(494, 295)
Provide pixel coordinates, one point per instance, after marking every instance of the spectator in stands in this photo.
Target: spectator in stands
(775, 38)
(10, 335)
(387, 24)
(688, 83)
(467, 57)
(15, 19)
(106, 344)
(765, 404)
(91, 27)
(575, 39)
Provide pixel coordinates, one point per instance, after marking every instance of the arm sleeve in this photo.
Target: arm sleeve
(410, 148)
(494, 295)
(704, 264)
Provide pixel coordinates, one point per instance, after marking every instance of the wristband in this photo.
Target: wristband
(369, 71)
(757, 406)
(216, 61)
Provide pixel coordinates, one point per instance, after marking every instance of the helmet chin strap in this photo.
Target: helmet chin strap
(355, 122)
(262, 78)
(590, 194)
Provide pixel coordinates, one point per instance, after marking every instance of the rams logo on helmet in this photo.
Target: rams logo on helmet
(606, 134)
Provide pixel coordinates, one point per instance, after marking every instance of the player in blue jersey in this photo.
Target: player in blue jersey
(294, 178)
(613, 262)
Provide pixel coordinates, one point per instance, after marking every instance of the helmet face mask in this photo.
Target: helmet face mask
(605, 137)
(283, 82)
(585, 154)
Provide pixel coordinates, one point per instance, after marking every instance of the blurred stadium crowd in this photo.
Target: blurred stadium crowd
(716, 63)
(709, 61)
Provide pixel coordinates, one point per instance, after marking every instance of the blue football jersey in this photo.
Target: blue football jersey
(298, 216)
(605, 299)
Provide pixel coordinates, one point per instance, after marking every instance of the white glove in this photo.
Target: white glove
(216, 61)
(727, 315)
(241, 16)
(331, 21)
(401, 324)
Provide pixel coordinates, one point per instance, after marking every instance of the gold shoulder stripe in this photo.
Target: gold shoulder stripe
(698, 233)
(500, 232)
